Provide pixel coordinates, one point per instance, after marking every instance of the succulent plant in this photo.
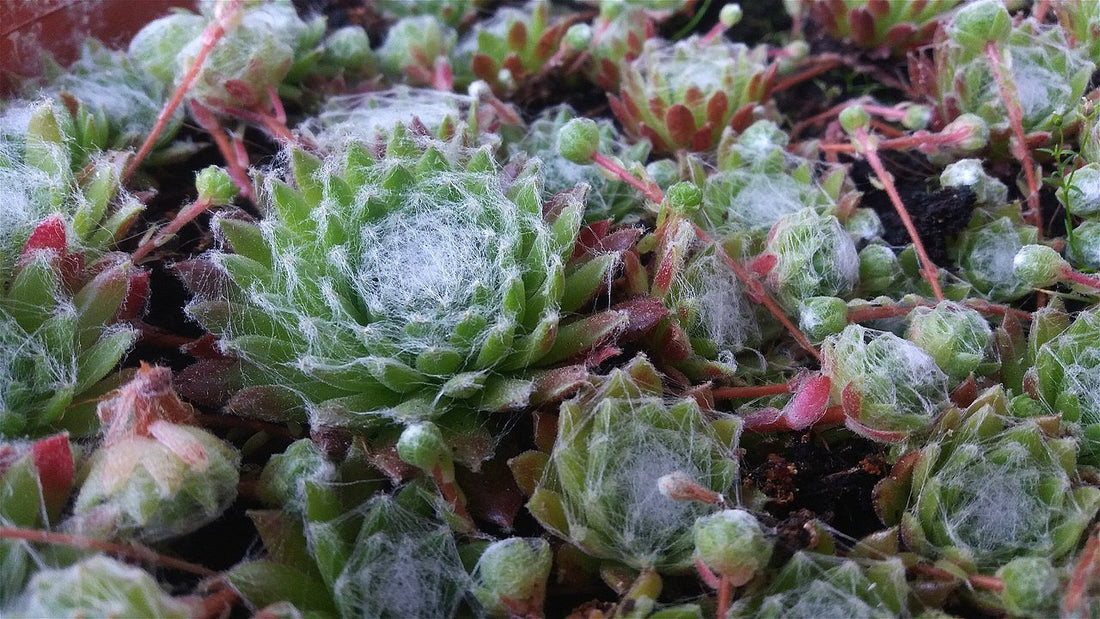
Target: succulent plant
(35, 482)
(1067, 371)
(155, 477)
(1081, 21)
(451, 12)
(1048, 76)
(615, 440)
(509, 48)
(609, 198)
(888, 386)
(64, 298)
(733, 544)
(957, 337)
(616, 38)
(889, 28)
(682, 95)
(986, 248)
(758, 182)
(989, 489)
(511, 576)
(98, 586)
(413, 47)
(814, 256)
(398, 286)
(812, 585)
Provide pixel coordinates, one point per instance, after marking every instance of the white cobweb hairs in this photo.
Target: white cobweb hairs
(363, 117)
(403, 565)
(723, 313)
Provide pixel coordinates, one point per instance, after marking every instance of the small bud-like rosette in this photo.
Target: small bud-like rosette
(510, 47)
(1048, 75)
(406, 283)
(888, 386)
(815, 585)
(615, 441)
(991, 489)
(412, 48)
(732, 544)
(988, 190)
(510, 577)
(156, 486)
(616, 39)
(882, 26)
(683, 95)
(985, 251)
(758, 182)
(609, 198)
(98, 586)
(814, 256)
(956, 336)
(402, 563)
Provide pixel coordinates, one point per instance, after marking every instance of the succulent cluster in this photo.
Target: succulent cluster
(599, 309)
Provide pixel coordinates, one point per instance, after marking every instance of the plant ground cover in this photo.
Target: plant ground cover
(659, 308)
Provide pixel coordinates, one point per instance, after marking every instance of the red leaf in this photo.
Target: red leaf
(485, 67)
(680, 124)
(643, 314)
(693, 96)
(703, 138)
(810, 402)
(763, 264)
(862, 25)
(54, 460)
(716, 109)
(47, 236)
(137, 293)
(517, 35)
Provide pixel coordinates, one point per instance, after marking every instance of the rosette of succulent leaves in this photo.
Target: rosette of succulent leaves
(990, 489)
(334, 300)
(879, 28)
(65, 298)
(1045, 74)
(598, 487)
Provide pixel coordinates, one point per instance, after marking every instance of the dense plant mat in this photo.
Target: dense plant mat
(660, 308)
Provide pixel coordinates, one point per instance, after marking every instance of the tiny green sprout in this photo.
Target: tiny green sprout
(512, 574)
(820, 317)
(685, 198)
(730, 15)
(579, 140)
(664, 172)
(1081, 192)
(854, 117)
(979, 23)
(1038, 266)
(732, 544)
(1030, 585)
(579, 36)
(215, 186)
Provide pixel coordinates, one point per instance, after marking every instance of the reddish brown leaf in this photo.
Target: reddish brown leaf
(862, 25)
(54, 460)
(47, 236)
(716, 108)
(485, 67)
(680, 124)
(137, 293)
(703, 138)
(517, 36)
(693, 97)
(899, 35)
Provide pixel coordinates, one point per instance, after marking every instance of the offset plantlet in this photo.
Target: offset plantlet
(511, 576)
(155, 477)
(732, 545)
(880, 27)
(615, 441)
(418, 49)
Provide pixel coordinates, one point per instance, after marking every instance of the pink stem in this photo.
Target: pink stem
(181, 219)
(213, 33)
(1089, 281)
(756, 292)
(1083, 572)
(730, 393)
(824, 64)
(132, 550)
(651, 191)
(725, 594)
(921, 140)
(928, 268)
(715, 31)
(231, 155)
(1020, 150)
